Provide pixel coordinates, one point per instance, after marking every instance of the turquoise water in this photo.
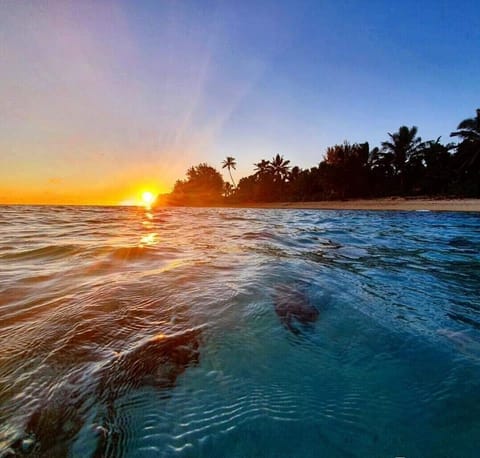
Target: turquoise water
(190, 332)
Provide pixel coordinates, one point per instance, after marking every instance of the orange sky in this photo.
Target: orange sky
(91, 183)
(57, 193)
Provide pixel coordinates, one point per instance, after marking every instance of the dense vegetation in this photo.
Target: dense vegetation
(404, 165)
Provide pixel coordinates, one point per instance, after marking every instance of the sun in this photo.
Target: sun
(148, 198)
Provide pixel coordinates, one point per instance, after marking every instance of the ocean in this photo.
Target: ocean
(207, 332)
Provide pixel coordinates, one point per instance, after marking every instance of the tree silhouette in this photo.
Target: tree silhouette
(346, 170)
(279, 168)
(467, 158)
(469, 129)
(435, 161)
(263, 181)
(262, 168)
(227, 190)
(204, 185)
(404, 164)
(230, 163)
(399, 149)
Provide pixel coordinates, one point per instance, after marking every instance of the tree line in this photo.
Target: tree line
(403, 165)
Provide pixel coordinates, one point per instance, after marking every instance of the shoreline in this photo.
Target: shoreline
(382, 204)
(390, 203)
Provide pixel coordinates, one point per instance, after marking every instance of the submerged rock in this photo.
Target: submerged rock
(294, 307)
(155, 361)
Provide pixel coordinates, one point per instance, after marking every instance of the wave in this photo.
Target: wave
(133, 253)
(45, 252)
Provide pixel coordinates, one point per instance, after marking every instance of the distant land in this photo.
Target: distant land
(351, 175)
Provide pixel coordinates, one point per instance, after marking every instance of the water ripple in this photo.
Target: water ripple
(192, 332)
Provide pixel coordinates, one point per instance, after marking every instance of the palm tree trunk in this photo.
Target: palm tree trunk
(230, 172)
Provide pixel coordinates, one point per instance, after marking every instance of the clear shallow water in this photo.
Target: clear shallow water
(125, 332)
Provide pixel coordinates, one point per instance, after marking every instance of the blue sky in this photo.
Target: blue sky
(99, 100)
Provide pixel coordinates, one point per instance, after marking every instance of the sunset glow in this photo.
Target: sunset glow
(148, 198)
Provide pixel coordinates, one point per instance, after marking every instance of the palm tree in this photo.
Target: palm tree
(398, 151)
(469, 131)
(262, 168)
(433, 164)
(279, 168)
(294, 173)
(467, 157)
(230, 163)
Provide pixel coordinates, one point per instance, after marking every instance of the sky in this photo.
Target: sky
(101, 101)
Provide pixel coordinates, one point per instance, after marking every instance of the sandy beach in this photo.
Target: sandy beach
(390, 203)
